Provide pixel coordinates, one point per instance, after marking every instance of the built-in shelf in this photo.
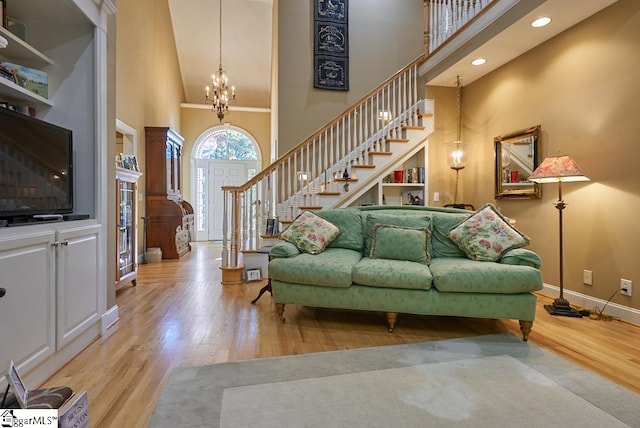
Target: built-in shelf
(20, 52)
(10, 91)
(17, 51)
(518, 185)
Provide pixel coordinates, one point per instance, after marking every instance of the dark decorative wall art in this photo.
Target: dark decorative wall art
(331, 45)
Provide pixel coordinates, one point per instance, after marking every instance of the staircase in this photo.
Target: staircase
(366, 141)
(352, 153)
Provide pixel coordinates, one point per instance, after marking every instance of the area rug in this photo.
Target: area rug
(486, 381)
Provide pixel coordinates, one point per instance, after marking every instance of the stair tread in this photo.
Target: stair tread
(329, 193)
(417, 128)
(363, 166)
(398, 140)
(381, 153)
(310, 207)
(347, 179)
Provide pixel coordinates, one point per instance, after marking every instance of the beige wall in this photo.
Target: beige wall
(148, 86)
(196, 121)
(378, 47)
(583, 87)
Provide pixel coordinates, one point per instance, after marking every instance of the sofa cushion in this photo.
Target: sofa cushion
(392, 274)
(310, 233)
(283, 249)
(400, 243)
(462, 275)
(349, 221)
(521, 257)
(331, 268)
(404, 220)
(441, 244)
(486, 235)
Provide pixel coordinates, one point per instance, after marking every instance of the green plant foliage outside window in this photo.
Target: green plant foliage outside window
(223, 143)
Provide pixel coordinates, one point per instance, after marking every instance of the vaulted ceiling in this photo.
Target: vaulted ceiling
(247, 43)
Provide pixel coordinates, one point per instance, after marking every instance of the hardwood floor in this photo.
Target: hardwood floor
(180, 315)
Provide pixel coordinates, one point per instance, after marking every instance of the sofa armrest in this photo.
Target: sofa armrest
(283, 250)
(521, 257)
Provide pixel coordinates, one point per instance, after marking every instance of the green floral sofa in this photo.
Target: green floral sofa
(405, 260)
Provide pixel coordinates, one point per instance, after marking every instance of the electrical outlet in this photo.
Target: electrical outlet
(436, 197)
(625, 287)
(587, 277)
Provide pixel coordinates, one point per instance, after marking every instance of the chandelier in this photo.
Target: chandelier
(218, 94)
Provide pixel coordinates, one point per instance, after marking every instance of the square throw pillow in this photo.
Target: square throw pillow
(400, 243)
(486, 235)
(310, 233)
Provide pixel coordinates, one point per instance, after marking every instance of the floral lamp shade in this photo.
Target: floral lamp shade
(558, 168)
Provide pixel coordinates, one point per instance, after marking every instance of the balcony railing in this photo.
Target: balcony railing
(443, 18)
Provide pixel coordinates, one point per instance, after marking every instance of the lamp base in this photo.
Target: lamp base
(561, 307)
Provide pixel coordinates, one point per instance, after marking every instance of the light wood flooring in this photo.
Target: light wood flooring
(180, 315)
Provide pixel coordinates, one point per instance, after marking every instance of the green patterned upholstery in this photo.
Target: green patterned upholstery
(331, 268)
(451, 284)
(349, 221)
(392, 274)
(410, 220)
(461, 275)
(400, 243)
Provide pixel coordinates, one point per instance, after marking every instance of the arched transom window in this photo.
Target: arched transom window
(227, 143)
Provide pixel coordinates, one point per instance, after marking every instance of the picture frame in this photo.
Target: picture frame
(252, 275)
(17, 385)
(129, 162)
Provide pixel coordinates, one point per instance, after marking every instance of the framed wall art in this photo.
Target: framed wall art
(331, 44)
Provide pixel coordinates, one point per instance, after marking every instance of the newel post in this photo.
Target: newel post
(232, 270)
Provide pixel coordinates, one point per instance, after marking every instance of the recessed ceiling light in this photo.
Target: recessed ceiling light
(541, 22)
(478, 61)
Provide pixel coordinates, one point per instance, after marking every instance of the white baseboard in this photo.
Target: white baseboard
(109, 318)
(625, 313)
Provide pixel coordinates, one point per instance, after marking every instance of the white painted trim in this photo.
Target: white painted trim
(3, 42)
(625, 313)
(231, 108)
(110, 317)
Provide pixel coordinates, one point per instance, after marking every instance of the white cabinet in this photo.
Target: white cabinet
(55, 273)
(27, 311)
(52, 295)
(76, 282)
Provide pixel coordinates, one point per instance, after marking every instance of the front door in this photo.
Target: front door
(221, 173)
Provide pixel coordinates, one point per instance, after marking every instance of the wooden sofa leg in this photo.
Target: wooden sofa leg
(525, 328)
(392, 317)
(280, 311)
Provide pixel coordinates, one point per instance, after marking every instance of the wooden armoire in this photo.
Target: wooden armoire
(170, 219)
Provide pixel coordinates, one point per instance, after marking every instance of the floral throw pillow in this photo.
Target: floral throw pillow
(310, 233)
(486, 235)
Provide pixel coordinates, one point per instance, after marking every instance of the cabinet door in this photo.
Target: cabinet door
(27, 311)
(126, 229)
(76, 282)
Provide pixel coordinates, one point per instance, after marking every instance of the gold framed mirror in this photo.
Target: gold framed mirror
(517, 155)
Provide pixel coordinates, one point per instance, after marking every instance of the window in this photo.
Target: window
(224, 142)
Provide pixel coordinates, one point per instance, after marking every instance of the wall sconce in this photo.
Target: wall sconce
(384, 115)
(303, 177)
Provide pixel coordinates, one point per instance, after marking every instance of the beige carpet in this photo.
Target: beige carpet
(488, 381)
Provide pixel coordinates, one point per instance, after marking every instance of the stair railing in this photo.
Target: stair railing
(444, 18)
(319, 165)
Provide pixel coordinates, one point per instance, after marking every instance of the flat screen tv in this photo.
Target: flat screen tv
(36, 168)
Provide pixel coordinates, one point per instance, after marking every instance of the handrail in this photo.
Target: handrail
(273, 166)
(316, 167)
